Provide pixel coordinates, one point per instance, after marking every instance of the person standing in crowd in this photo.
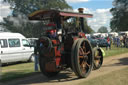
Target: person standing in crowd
(109, 43)
(36, 57)
(126, 41)
(118, 41)
(121, 41)
(114, 40)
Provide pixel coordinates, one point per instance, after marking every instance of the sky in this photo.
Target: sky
(99, 8)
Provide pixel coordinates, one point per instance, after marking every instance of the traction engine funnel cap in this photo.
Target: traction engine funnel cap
(81, 10)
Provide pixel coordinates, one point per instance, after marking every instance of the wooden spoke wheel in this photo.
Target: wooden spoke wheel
(82, 58)
(98, 58)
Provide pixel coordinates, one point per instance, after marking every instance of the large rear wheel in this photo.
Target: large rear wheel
(82, 58)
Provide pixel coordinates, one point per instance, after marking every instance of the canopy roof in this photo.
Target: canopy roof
(46, 14)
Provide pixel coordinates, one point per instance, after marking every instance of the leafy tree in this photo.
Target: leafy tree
(87, 28)
(29, 29)
(25, 7)
(19, 22)
(102, 29)
(74, 25)
(119, 22)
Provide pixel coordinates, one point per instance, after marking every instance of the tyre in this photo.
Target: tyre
(72, 57)
(82, 58)
(98, 58)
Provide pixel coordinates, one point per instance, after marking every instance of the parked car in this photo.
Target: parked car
(32, 41)
(14, 47)
(102, 42)
(94, 42)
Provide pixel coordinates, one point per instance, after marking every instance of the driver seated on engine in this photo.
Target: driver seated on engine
(51, 32)
(54, 33)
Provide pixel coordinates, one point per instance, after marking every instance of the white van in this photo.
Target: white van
(14, 47)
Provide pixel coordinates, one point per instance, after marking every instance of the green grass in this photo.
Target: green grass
(115, 51)
(12, 72)
(17, 71)
(119, 77)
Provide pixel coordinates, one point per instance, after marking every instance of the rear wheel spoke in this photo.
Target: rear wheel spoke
(82, 60)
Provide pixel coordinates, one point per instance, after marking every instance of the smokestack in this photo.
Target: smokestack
(80, 10)
(82, 20)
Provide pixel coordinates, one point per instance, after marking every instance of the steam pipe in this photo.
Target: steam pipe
(82, 20)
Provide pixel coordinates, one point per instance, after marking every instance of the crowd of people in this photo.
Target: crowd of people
(118, 41)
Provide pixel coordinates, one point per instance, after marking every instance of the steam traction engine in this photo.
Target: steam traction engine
(63, 46)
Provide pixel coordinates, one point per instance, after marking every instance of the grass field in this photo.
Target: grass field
(17, 71)
(115, 51)
(12, 72)
(119, 77)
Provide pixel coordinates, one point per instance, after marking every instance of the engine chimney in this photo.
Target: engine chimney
(80, 10)
(82, 20)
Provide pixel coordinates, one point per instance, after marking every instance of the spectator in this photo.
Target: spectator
(126, 41)
(121, 41)
(36, 57)
(118, 41)
(109, 43)
(114, 40)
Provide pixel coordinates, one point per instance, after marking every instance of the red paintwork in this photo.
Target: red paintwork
(55, 42)
(51, 25)
(82, 35)
(57, 52)
(58, 56)
(52, 32)
(58, 61)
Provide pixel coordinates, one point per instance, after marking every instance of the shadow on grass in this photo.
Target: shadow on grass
(14, 75)
(64, 76)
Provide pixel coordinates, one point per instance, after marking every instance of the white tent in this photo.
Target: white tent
(113, 34)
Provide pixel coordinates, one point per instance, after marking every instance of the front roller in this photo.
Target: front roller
(43, 65)
(82, 58)
(47, 58)
(98, 58)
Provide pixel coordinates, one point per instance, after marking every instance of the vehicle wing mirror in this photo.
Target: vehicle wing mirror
(30, 45)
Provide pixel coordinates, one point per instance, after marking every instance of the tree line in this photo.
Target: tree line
(119, 22)
(18, 21)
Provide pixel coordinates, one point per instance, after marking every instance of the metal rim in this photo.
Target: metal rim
(82, 62)
(98, 58)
